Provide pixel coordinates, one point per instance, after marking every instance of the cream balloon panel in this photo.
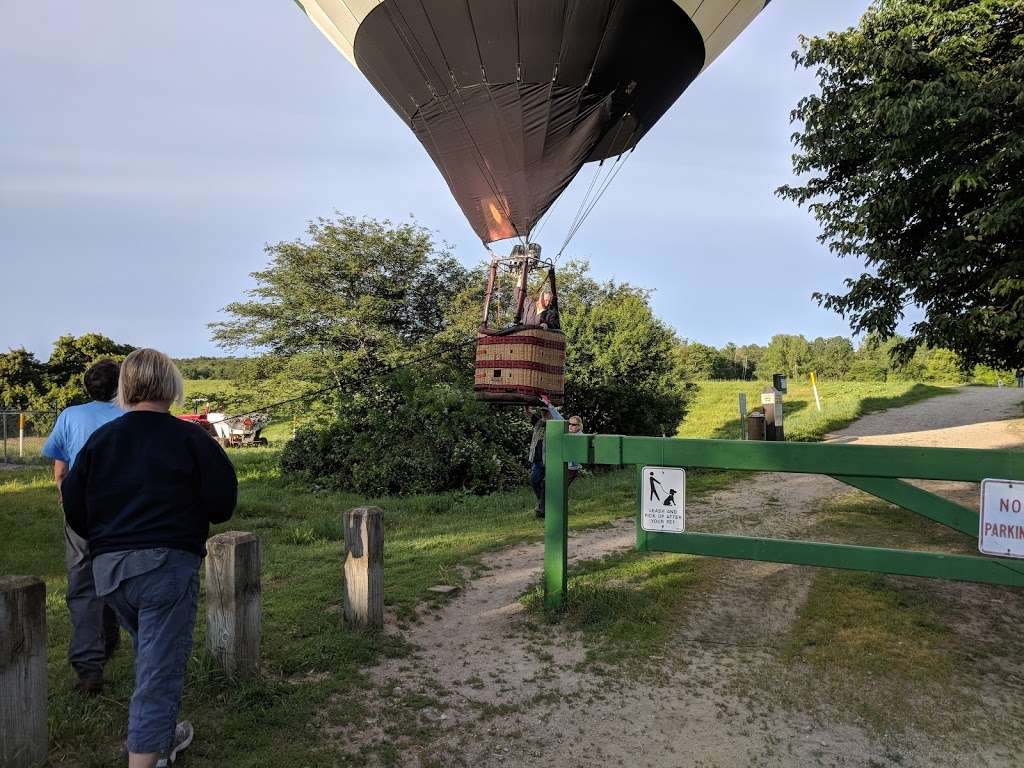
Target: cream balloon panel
(719, 21)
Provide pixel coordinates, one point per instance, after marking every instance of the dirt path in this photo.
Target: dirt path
(487, 688)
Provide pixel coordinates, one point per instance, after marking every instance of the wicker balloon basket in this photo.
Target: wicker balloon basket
(520, 364)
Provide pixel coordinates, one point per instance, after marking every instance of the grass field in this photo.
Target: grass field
(267, 722)
(715, 411)
(309, 656)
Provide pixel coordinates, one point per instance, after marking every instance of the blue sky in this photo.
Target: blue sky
(149, 151)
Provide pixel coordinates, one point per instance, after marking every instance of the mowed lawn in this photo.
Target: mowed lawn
(309, 656)
(308, 653)
(714, 412)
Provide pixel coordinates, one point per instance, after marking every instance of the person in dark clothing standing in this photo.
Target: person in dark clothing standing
(143, 492)
(94, 632)
(536, 459)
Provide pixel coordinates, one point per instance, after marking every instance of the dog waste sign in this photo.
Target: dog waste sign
(1002, 518)
(663, 499)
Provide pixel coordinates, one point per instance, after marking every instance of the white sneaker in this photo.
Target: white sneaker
(183, 734)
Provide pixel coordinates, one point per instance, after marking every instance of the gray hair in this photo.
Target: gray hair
(149, 375)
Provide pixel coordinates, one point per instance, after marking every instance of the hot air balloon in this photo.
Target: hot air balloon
(511, 97)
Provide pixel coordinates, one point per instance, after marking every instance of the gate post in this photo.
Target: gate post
(556, 517)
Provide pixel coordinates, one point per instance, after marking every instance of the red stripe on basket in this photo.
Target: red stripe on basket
(499, 389)
(494, 365)
(529, 341)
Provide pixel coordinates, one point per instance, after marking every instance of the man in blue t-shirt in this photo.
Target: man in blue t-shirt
(94, 631)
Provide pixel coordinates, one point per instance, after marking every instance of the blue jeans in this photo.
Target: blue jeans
(158, 608)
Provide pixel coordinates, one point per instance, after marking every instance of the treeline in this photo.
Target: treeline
(835, 357)
(27, 383)
(211, 367)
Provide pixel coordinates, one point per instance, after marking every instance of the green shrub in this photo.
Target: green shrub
(408, 436)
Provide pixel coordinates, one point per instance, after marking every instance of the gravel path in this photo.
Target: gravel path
(502, 695)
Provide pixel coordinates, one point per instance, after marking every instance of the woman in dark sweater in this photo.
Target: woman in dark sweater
(143, 492)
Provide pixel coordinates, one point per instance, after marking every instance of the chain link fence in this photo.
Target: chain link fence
(23, 433)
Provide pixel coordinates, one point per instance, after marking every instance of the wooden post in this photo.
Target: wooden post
(22, 672)
(771, 398)
(233, 611)
(364, 567)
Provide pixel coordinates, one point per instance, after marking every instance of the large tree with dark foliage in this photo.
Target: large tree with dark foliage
(913, 160)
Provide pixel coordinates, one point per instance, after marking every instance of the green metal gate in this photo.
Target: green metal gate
(876, 469)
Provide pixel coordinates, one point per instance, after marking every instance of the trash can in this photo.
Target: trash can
(755, 425)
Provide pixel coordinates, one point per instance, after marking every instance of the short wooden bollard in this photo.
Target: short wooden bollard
(233, 611)
(364, 567)
(22, 672)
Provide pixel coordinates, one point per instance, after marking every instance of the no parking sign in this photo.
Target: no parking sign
(1002, 518)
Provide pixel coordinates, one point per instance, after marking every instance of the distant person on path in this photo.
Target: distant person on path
(654, 494)
(575, 425)
(1020, 378)
(143, 493)
(537, 471)
(94, 632)
(536, 459)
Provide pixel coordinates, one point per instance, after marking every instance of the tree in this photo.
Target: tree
(22, 379)
(786, 354)
(831, 357)
(748, 358)
(71, 356)
(914, 163)
(620, 370)
(696, 361)
(943, 365)
(357, 294)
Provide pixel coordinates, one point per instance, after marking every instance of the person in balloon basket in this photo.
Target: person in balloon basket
(94, 632)
(537, 450)
(143, 493)
(543, 311)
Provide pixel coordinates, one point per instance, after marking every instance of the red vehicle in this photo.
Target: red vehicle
(201, 420)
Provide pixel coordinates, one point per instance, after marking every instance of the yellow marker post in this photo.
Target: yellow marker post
(21, 435)
(814, 386)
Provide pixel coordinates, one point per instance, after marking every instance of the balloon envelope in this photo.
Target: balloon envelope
(511, 97)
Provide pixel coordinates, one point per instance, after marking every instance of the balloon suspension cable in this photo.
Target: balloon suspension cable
(587, 207)
(583, 203)
(617, 166)
(587, 204)
(309, 394)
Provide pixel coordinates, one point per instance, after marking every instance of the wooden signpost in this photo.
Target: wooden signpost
(771, 399)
